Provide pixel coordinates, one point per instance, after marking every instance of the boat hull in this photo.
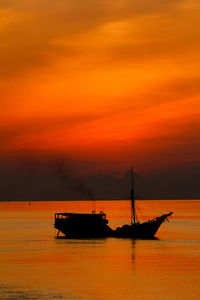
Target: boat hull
(85, 231)
(82, 225)
(146, 230)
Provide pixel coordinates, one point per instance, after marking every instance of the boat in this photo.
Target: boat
(136, 229)
(79, 225)
(93, 225)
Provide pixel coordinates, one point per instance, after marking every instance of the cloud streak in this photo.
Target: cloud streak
(30, 29)
(107, 80)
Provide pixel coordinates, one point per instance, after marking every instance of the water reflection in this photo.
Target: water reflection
(13, 292)
(35, 265)
(133, 242)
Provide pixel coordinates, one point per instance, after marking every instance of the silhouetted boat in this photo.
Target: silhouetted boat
(79, 225)
(75, 225)
(142, 230)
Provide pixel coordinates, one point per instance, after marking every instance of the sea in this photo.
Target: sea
(35, 264)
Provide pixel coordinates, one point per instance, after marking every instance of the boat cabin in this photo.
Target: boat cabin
(77, 217)
(82, 225)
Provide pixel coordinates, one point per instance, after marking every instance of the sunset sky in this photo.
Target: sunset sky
(106, 83)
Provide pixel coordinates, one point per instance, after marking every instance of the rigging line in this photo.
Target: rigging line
(129, 210)
(143, 213)
(126, 211)
(140, 210)
(155, 208)
(117, 221)
(123, 214)
(152, 206)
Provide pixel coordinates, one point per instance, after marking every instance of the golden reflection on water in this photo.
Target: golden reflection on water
(36, 265)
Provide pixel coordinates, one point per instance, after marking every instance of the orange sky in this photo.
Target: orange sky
(112, 82)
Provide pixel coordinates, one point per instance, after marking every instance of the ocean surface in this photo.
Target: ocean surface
(34, 264)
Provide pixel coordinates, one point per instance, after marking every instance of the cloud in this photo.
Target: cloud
(22, 128)
(30, 28)
(50, 177)
(134, 61)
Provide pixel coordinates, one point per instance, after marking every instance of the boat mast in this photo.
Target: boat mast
(133, 217)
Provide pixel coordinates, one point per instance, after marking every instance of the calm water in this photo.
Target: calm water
(36, 265)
